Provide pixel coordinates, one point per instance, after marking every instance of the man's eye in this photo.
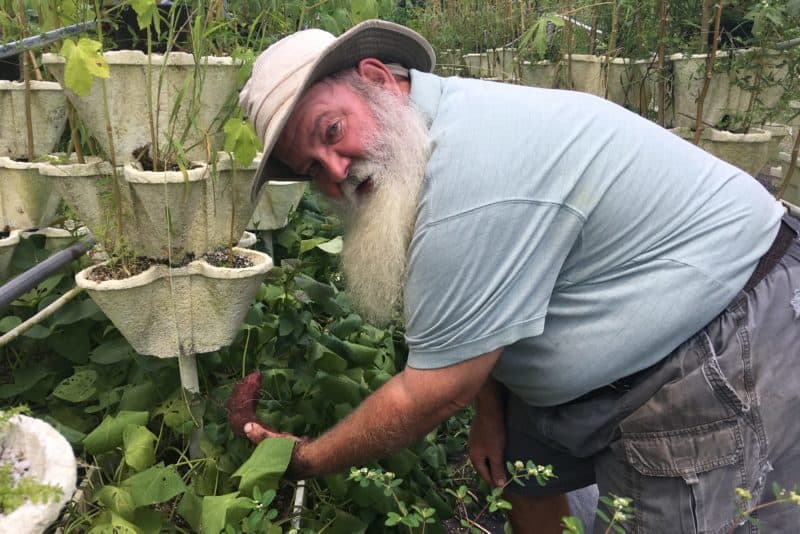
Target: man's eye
(333, 132)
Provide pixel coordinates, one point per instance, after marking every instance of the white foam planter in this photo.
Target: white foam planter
(48, 117)
(228, 198)
(7, 247)
(724, 96)
(167, 312)
(275, 202)
(200, 204)
(27, 199)
(168, 212)
(57, 238)
(86, 188)
(52, 462)
(195, 117)
(778, 133)
(792, 193)
(749, 151)
(543, 73)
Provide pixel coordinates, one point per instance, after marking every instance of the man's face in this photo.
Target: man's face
(329, 129)
(366, 149)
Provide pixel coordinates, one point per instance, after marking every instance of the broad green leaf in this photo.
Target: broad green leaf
(223, 509)
(108, 435)
(308, 244)
(360, 354)
(342, 328)
(24, 379)
(325, 359)
(339, 389)
(176, 413)
(120, 526)
(139, 447)
(241, 140)
(84, 63)
(361, 10)
(116, 500)
(112, 351)
(78, 387)
(9, 323)
(71, 343)
(266, 465)
(38, 331)
(75, 437)
(345, 523)
(154, 485)
(334, 246)
(401, 463)
(146, 12)
(74, 311)
(138, 397)
(190, 508)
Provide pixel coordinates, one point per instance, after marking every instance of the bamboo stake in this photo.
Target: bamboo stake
(710, 60)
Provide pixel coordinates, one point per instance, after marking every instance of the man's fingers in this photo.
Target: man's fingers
(257, 433)
(498, 477)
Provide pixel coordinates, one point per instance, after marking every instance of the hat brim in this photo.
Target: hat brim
(386, 41)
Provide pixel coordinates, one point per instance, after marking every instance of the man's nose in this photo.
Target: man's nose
(336, 167)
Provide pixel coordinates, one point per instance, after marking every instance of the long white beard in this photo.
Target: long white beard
(379, 225)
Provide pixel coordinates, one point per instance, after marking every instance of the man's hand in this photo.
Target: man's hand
(487, 436)
(256, 432)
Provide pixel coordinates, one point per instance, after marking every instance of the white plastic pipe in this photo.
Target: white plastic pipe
(43, 314)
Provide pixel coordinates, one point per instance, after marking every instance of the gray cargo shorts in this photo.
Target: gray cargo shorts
(721, 412)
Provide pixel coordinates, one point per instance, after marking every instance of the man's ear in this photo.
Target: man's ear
(375, 71)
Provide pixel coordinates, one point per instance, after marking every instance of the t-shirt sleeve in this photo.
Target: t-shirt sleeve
(482, 280)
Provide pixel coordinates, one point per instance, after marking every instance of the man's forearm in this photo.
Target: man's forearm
(385, 422)
(491, 398)
(397, 414)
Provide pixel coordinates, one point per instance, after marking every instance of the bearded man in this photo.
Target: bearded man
(616, 302)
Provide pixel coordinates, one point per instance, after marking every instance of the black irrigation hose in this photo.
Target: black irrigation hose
(35, 41)
(24, 282)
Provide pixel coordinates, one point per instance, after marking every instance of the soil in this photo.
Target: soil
(145, 159)
(489, 523)
(121, 269)
(223, 257)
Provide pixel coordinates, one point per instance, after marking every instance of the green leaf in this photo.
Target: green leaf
(146, 12)
(339, 389)
(361, 10)
(345, 523)
(334, 246)
(108, 435)
(9, 323)
(139, 447)
(190, 508)
(154, 485)
(223, 509)
(117, 500)
(112, 351)
(84, 63)
(325, 359)
(241, 140)
(78, 387)
(74, 311)
(360, 354)
(24, 379)
(139, 397)
(266, 465)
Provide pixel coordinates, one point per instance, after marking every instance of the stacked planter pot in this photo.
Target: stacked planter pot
(26, 199)
(726, 95)
(181, 304)
(748, 151)
(187, 97)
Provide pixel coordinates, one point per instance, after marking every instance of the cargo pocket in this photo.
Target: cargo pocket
(705, 463)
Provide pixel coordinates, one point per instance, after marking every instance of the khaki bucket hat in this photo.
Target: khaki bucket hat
(290, 66)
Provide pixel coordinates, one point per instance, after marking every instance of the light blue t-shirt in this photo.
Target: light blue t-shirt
(586, 240)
